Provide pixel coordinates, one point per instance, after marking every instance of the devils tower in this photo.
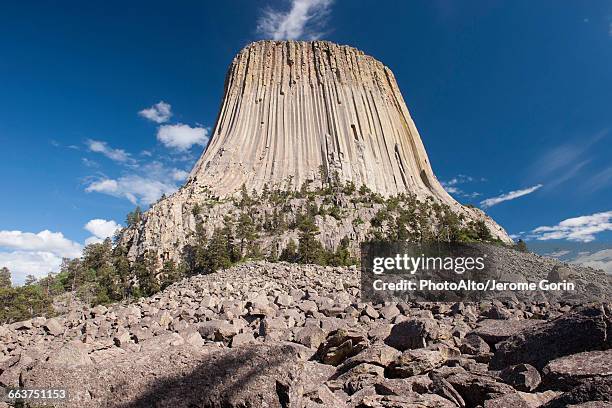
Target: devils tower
(296, 113)
(291, 108)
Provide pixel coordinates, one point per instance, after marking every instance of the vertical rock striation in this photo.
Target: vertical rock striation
(292, 108)
(296, 112)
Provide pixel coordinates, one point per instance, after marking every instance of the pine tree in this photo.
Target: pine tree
(482, 231)
(245, 200)
(123, 270)
(5, 277)
(169, 274)
(310, 249)
(146, 274)
(197, 256)
(233, 251)
(289, 253)
(134, 217)
(246, 234)
(217, 252)
(196, 210)
(30, 280)
(342, 255)
(521, 246)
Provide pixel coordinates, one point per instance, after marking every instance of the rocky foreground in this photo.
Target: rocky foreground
(285, 335)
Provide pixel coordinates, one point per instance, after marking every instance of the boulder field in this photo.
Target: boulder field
(286, 335)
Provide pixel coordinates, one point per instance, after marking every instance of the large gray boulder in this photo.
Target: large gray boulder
(597, 391)
(566, 372)
(585, 329)
(413, 334)
(493, 331)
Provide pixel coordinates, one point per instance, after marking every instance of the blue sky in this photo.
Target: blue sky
(512, 99)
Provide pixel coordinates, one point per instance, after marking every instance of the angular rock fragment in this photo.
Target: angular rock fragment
(523, 377)
(582, 330)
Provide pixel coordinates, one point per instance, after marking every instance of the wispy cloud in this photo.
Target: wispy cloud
(581, 229)
(565, 162)
(144, 185)
(597, 260)
(89, 163)
(304, 20)
(98, 146)
(182, 137)
(179, 175)
(161, 112)
(490, 202)
(136, 189)
(452, 186)
(600, 180)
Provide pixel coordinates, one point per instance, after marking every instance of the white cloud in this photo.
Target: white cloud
(89, 163)
(181, 137)
(179, 175)
(23, 263)
(581, 229)
(558, 254)
(598, 260)
(305, 19)
(98, 146)
(451, 186)
(161, 112)
(27, 253)
(101, 229)
(490, 202)
(144, 185)
(135, 188)
(45, 241)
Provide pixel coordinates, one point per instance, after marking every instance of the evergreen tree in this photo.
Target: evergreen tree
(123, 270)
(521, 246)
(246, 234)
(217, 252)
(342, 255)
(148, 283)
(265, 193)
(30, 280)
(245, 200)
(5, 277)
(310, 249)
(482, 231)
(134, 217)
(289, 253)
(233, 251)
(24, 302)
(169, 273)
(196, 210)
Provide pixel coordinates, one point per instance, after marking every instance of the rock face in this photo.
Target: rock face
(292, 108)
(296, 113)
